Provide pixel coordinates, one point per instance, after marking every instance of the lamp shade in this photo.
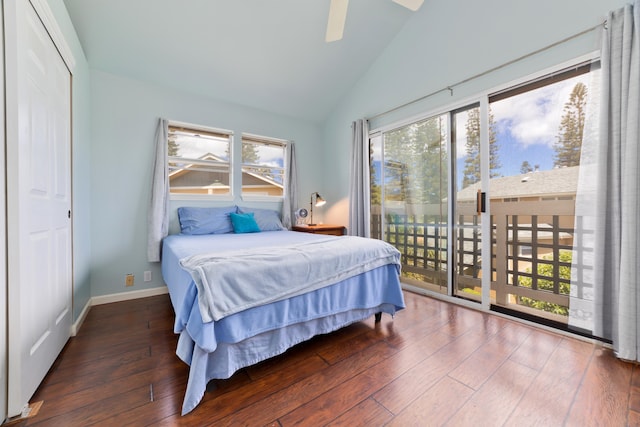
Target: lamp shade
(319, 202)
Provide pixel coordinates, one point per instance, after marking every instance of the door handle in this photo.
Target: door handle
(481, 198)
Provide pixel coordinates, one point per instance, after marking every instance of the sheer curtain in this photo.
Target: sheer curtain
(290, 200)
(158, 214)
(607, 207)
(359, 195)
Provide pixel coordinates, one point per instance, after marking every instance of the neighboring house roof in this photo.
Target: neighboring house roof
(209, 156)
(187, 169)
(554, 182)
(263, 178)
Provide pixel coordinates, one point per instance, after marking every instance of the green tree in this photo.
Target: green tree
(251, 156)
(172, 148)
(250, 153)
(569, 142)
(471, 173)
(376, 188)
(416, 162)
(526, 167)
(546, 283)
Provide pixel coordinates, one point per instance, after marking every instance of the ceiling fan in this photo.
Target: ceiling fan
(338, 16)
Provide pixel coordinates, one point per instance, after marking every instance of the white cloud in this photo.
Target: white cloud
(196, 147)
(271, 156)
(534, 117)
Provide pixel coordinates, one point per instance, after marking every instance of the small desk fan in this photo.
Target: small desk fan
(301, 214)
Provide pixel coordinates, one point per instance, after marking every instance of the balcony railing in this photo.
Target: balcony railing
(531, 250)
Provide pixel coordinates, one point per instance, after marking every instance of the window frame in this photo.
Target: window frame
(543, 77)
(217, 132)
(266, 141)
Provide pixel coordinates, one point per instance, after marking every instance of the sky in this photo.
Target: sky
(195, 147)
(526, 127)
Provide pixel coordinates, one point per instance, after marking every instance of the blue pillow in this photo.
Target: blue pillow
(244, 223)
(267, 219)
(199, 220)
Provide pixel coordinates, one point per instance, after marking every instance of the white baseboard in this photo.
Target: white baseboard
(106, 299)
(125, 296)
(76, 325)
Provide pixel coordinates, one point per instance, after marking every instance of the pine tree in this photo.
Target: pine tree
(172, 148)
(526, 167)
(250, 153)
(471, 173)
(416, 162)
(569, 143)
(376, 188)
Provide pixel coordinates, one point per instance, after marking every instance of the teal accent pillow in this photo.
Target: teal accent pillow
(244, 223)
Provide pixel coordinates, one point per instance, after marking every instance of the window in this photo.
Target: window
(263, 168)
(199, 161)
(409, 183)
(521, 148)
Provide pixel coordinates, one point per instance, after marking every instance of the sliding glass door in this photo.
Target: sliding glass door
(409, 193)
(480, 200)
(468, 202)
(433, 220)
(541, 127)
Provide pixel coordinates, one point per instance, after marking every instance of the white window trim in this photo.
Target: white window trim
(250, 198)
(202, 128)
(204, 197)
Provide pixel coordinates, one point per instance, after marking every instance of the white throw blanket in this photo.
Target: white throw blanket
(234, 281)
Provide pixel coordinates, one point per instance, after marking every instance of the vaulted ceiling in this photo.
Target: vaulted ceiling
(266, 54)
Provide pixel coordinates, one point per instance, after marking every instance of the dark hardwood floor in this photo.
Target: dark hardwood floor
(433, 364)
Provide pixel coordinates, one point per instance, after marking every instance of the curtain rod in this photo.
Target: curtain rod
(449, 88)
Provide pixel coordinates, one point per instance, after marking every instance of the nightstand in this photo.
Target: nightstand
(333, 230)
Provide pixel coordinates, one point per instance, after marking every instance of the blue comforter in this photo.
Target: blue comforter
(218, 348)
(237, 280)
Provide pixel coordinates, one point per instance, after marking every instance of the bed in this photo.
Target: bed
(264, 314)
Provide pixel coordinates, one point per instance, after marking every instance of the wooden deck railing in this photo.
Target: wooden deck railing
(531, 240)
(530, 250)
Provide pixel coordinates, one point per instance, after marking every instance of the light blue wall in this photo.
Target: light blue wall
(114, 118)
(81, 150)
(124, 115)
(447, 42)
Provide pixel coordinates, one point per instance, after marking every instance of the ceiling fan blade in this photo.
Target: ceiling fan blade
(337, 18)
(410, 4)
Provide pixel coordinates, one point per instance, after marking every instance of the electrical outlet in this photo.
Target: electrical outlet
(128, 280)
(147, 276)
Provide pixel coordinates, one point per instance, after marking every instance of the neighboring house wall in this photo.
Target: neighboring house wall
(200, 182)
(200, 179)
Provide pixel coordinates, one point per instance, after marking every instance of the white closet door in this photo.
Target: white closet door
(3, 238)
(39, 202)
